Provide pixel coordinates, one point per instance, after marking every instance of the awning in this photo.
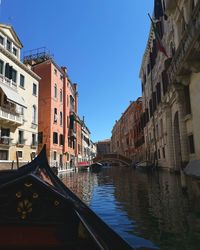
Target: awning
(12, 95)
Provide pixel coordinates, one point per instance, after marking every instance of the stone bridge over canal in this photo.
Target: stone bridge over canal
(113, 158)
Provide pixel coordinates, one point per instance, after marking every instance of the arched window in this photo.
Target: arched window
(55, 91)
(34, 115)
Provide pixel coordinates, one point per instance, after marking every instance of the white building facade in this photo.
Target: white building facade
(170, 86)
(86, 144)
(19, 88)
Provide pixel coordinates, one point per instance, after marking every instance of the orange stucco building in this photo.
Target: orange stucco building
(127, 133)
(58, 101)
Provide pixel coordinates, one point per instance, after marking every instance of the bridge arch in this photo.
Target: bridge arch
(113, 158)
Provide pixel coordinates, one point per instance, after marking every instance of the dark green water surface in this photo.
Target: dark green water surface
(147, 210)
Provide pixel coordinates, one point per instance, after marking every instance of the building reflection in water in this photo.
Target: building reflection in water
(82, 184)
(146, 209)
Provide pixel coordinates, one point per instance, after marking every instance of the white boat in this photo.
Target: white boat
(144, 165)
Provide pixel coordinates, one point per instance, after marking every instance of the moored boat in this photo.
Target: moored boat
(37, 211)
(83, 165)
(96, 167)
(144, 165)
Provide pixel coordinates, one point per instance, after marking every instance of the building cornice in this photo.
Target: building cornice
(147, 49)
(20, 64)
(17, 40)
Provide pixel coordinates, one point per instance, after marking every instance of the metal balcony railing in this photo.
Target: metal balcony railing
(186, 44)
(8, 116)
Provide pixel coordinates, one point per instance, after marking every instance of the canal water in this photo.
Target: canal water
(149, 210)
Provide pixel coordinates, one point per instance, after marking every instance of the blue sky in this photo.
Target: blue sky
(101, 42)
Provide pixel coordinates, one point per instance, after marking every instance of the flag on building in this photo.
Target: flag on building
(159, 43)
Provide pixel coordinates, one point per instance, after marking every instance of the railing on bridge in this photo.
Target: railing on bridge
(113, 157)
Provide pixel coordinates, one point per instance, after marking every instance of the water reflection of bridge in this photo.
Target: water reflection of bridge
(113, 158)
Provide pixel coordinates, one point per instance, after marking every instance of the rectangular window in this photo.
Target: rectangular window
(55, 71)
(21, 137)
(1, 67)
(40, 137)
(54, 156)
(34, 140)
(61, 140)
(55, 115)
(14, 75)
(161, 127)
(5, 136)
(55, 91)
(61, 96)
(72, 103)
(19, 154)
(165, 82)
(187, 100)
(163, 152)
(15, 51)
(158, 153)
(55, 138)
(61, 119)
(1, 40)
(191, 144)
(5, 132)
(151, 108)
(3, 154)
(8, 45)
(34, 89)
(21, 83)
(7, 71)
